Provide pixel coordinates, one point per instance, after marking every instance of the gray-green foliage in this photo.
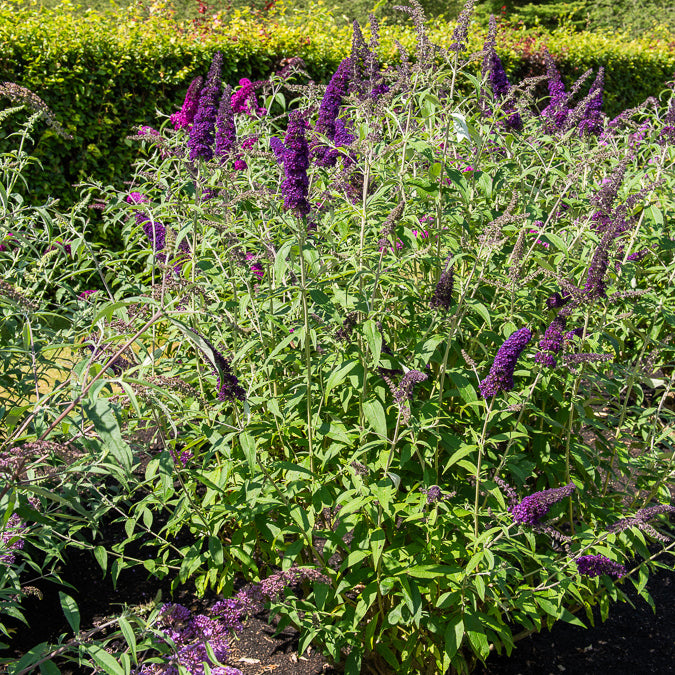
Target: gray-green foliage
(327, 463)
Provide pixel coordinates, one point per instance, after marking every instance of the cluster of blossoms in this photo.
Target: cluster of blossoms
(641, 521)
(435, 494)
(500, 377)
(595, 565)
(328, 112)
(493, 70)
(183, 118)
(10, 539)
(556, 112)
(203, 126)
(403, 393)
(442, 297)
(531, 509)
(244, 100)
(551, 343)
(296, 162)
(191, 637)
(591, 122)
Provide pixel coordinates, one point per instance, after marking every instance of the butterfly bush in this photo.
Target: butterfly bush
(311, 409)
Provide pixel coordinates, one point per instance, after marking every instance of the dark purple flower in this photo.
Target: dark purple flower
(404, 390)
(591, 123)
(595, 565)
(256, 267)
(531, 509)
(641, 521)
(570, 335)
(596, 285)
(330, 109)
(556, 301)
(204, 124)
(433, 493)
(501, 373)
(239, 165)
(667, 133)
(226, 133)
(556, 111)
(184, 117)
(10, 539)
(154, 231)
(190, 636)
(296, 163)
(278, 148)
(442, 297)
(552, 343)
(499, 82)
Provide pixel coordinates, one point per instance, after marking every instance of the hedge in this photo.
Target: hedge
(101, 74)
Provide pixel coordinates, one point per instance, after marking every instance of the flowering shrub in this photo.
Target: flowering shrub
(379, 405)
(71, 58)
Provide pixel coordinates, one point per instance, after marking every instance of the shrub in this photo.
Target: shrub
(423, 386)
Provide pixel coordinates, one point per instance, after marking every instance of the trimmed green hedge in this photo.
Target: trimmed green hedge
(104, 73)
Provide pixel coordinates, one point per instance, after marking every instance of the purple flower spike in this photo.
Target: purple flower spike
(296, 163)
(591, 122)
(329, 111)
(534, 507)
(552, 342)
(501, 373)
(499, 82)
(442, 297)
(556, 111)
(10, 539)
(556, 301)
(226, 133)
(595, 565)
(278, 148)
(244, 101)
(154, 231)
(204, 125)
(184, 117)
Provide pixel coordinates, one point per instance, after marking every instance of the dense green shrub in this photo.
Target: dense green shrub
(104, 73)
(425, 358)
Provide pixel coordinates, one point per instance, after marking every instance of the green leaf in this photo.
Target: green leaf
(377, 542)
(430, 571)
(102, 415)
(104, 660)
(71, 611)
(216, 551)
(454, 634)
(129, 636)
(376, 417)
(247, 443)
(49, 668)
(338, 377)
(374, 339)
